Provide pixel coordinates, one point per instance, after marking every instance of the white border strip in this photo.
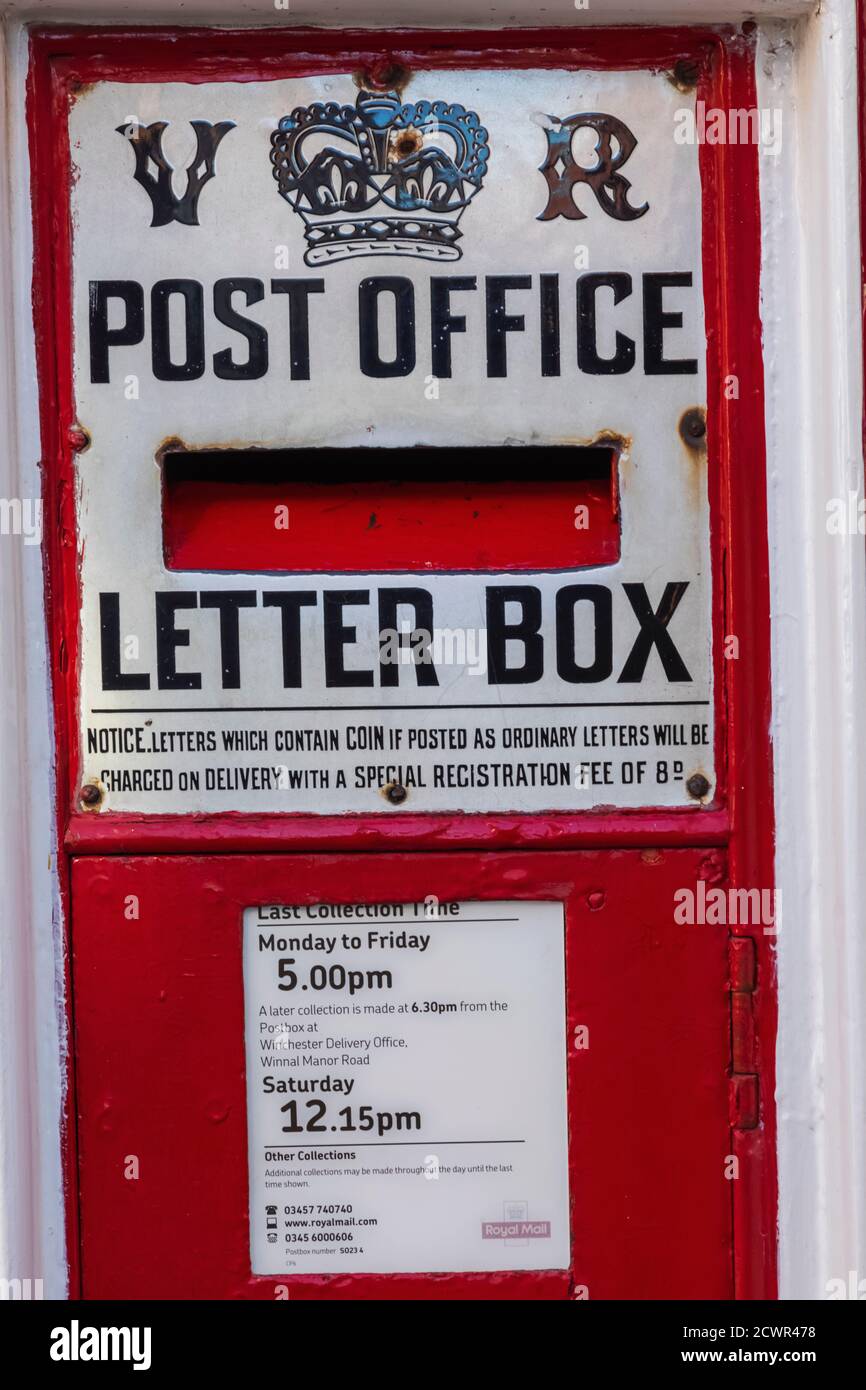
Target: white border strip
(406, 14)
(814, 363)
(32, 1027)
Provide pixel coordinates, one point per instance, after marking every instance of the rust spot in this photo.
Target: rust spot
(404, 143)
(603, 439)
(619, 444)
(692, 430)
(685, 75)
(78, 89)
(651, 856)
(383, 75)
(172, 444)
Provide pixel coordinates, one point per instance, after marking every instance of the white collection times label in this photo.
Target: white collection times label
(406, 1091)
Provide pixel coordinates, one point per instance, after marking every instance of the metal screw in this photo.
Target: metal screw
(697, 786)
(395, 793)
(90, 795)
(78, 439)
(385, 75)
(693, 427)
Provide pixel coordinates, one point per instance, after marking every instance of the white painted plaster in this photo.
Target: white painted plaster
(32, 1037)
(813, 357)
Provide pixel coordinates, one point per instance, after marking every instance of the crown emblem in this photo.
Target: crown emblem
(373, 179)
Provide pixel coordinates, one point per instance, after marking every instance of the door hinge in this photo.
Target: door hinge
(743, 1096)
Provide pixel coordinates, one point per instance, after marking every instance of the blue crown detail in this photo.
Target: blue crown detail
(388, 187)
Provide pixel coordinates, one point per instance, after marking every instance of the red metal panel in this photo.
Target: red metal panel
(63, 60)
(159, 1041)
(237, 833)
(738, 501)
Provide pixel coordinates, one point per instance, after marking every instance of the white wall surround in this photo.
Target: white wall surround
(396, 14)
(814, 376)
(811, 297)
(32, 1028)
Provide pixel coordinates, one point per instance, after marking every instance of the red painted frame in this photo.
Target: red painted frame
(742, 816)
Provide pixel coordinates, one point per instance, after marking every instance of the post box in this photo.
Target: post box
(402, 415)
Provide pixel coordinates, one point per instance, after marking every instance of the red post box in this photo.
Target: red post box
(402, 415)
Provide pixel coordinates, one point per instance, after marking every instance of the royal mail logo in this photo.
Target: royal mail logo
(515, 1230)
(515, 1226)
(386, 186)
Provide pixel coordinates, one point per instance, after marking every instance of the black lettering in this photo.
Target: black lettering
(192, 365)
(290, 606)
(299, 292)
(368, 325)
(169, 638)
(443, 322)
(526, 630)
(566, 601)
(228, 602)
(549, 325)
(421, 602)
(653, 633)
(109, 631)
(656, 320)
(498, 322)
(588, 359)
(130, 332)
(256, 364)
(337, 636)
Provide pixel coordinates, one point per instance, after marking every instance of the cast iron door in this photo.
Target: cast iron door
(161, 1073)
